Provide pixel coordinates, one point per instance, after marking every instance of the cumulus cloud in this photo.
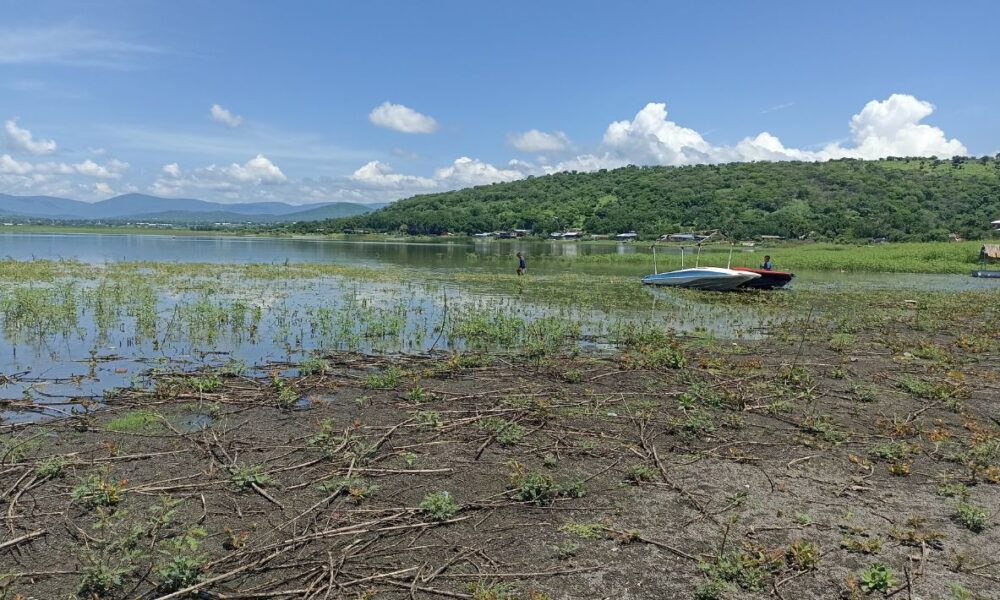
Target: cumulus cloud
(539, 141)
(13, 167)
(21, 139)
(401, 118)
(378, 174)
(465, 171)
(235, 181)
(224, 116)
(890, 127)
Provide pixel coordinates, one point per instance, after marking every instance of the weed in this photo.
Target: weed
(492, 591)
(640, 473)
(439, 506)
(972, 517)
(573, 376)
(354, 488)
(388, 379)
(314, 365)
(877, 578)
(894, 451)
(428, 418)
(953, 490)
(587, 531)
(505, 432)
(182, 564)
(710, 590)
(51, 468)
(248, 476)
(803, 555)
(550, 461)
(865, 392)
(99, 490)
(861, 545)
(748, 570)
(539, 488)
(567, 549)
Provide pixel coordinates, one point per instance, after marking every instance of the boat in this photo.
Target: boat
(702, 278)
(987, 274)
(768, 280)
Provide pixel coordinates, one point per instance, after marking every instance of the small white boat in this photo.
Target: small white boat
(702, 278)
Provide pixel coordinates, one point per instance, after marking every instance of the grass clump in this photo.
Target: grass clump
(803, 555)
(388, 379)
(748, 570)
(134, 421)
(439, 506)
(314, 365)
(587, 531)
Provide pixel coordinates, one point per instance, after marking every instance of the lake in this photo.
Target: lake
(68, 339)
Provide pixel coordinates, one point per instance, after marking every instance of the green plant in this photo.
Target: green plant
(710, 590)
(492, 591)
(182, 563)
(877, 578)
(354, 488)
(803, 555)
(505, 432)
(972, 517)
(247, 476)
(439, 506)
(314, 365)
(587, 531)
(388, 379)
(52, 467)
(98, 489)
(640, 473)
(567, 549)
(429, 419)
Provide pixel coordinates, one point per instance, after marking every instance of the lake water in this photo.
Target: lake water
(198, 322)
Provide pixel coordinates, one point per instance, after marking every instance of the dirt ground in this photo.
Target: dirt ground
(787, 469)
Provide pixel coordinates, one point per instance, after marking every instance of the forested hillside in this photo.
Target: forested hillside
(901, 199)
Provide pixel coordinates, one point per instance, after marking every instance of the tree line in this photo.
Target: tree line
(901, 199)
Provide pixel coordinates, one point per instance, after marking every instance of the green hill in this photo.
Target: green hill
(901, 199)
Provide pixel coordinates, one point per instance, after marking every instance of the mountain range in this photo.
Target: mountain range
(152, 209)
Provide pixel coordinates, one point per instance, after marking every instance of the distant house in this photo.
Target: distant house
(683, 237)
(771, 237)
(624, 237)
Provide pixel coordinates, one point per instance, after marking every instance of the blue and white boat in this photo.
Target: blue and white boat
(702, 278)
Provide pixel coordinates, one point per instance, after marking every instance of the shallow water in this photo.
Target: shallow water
(195, 322)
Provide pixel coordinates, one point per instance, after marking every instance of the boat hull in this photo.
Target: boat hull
(768, 280)
(987, 274)
(705, 278)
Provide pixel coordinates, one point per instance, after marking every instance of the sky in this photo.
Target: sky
(305, 102)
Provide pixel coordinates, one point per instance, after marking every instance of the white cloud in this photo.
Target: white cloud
(539, 141)
(257, 170)
(378, 174)
(12, 167)
(891, 127)
(21, 139)
(103, 188)
(224, 116)
(467, 171)
(69, 45)
(234, 182)
(401, 118)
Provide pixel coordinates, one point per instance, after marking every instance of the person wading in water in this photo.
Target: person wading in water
(522, 266)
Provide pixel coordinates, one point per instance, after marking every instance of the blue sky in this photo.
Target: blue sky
(322, 101)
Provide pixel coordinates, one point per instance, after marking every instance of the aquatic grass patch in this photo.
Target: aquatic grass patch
(135, 421)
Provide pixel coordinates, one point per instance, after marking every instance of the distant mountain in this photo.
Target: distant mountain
(143, 207)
